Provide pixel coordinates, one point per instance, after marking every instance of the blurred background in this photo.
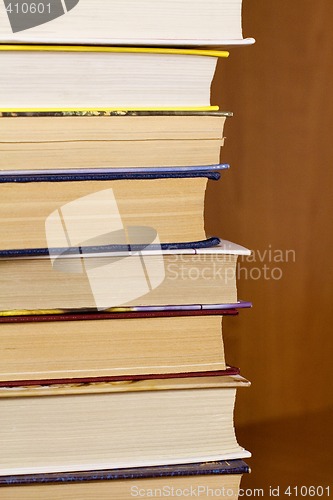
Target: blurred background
(278, 198)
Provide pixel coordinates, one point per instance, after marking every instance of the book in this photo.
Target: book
(88, 346)
(103, 78)
(82, 427)
(103, 209)
(107, 140)
(230, 370)
(39, 314)
(144, 22)
(123, 484)
(147, 277)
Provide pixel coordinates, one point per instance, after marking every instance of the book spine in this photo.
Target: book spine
(216, 468)
(101, 176)
(46, 252)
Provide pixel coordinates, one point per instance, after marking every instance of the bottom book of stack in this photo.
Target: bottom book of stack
(200, 480)
(136, 436)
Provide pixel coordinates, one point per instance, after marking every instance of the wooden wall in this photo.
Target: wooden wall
(279, 196)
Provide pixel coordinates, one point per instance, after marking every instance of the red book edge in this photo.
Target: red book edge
(94, 316)
(231, 370)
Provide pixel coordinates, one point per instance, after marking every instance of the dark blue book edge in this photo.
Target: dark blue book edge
(199, 469)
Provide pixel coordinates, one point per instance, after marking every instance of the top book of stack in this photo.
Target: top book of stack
(123, 22)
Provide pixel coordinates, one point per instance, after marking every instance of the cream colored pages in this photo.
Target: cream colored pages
(144, 22)
(173, 207)
(82, 79)
(49, 156)
(67, 349)
(150, 127)
(83, 142)
(110, 282)
(101, 431)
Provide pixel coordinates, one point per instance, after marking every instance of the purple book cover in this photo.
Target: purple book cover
(197, 469)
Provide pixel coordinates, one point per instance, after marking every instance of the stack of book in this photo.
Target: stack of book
(113, 378)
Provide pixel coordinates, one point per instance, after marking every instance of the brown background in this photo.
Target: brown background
(279, 195)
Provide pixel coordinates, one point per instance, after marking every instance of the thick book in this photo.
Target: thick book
(110, 346)
(102, 140)
(124, 484)
(114, 209)
(139, 22)
(138, 277)
(103, 78)
(83, 427)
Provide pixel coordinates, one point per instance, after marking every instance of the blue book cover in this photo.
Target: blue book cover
(196, 469)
